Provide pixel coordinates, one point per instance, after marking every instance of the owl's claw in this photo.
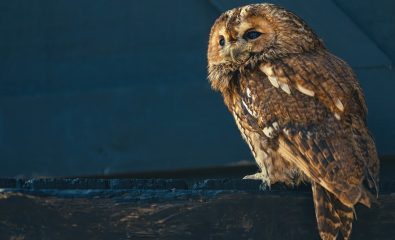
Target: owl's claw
(256, 176)
(262, 177)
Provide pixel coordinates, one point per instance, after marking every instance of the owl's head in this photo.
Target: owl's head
(259, 32)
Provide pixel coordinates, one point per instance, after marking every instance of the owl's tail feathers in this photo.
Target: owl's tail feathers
(332, 216)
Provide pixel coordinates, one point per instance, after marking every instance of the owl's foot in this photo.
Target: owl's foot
(262, 177)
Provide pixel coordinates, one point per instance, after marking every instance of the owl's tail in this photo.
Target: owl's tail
(332, 215)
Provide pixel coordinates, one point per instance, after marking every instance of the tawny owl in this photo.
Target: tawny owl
(300, 109)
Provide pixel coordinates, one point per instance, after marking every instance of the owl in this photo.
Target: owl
(300, 109)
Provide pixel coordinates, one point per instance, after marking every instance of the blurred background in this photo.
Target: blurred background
(107, 87)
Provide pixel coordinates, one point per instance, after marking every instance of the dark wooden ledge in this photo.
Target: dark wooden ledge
(207, 203)
(230, 208)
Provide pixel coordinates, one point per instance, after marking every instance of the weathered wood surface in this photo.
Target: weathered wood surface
(171, 209)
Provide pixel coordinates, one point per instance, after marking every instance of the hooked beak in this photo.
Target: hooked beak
(236, 53)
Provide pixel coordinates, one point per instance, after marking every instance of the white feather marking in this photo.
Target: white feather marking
(249, 110)
(286, 131)
(268, 131)
(339, 104)
(266, 69)
(305, 90)
(248, 92)
(337, 116)
(285, 88)
(275, 125)
(273, 81)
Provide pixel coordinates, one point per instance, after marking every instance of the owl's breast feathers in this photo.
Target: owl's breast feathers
(312, 109)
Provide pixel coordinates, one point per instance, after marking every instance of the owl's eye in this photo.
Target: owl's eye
(221, 41)
(250, 35)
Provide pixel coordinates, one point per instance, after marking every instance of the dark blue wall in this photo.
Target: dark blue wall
(90, 87)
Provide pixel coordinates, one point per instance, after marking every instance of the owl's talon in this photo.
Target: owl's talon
(265, 181)
(256, 176)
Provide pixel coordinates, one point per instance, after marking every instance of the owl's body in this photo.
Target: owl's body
(299, 108)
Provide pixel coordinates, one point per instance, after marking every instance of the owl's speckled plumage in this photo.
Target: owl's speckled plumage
(300, 109)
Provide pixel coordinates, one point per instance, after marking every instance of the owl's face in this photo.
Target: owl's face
(257, 31)
(235, 39)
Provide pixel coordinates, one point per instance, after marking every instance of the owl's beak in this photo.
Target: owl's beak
(236, 53)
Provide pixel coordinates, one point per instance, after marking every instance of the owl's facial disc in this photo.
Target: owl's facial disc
(235, 42)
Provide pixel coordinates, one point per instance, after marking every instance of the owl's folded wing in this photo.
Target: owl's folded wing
(326, 150)
(327, 78)
(327, 159)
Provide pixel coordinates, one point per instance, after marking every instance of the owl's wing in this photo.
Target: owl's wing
(324, 150)
(323, 76)
(327, 158)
